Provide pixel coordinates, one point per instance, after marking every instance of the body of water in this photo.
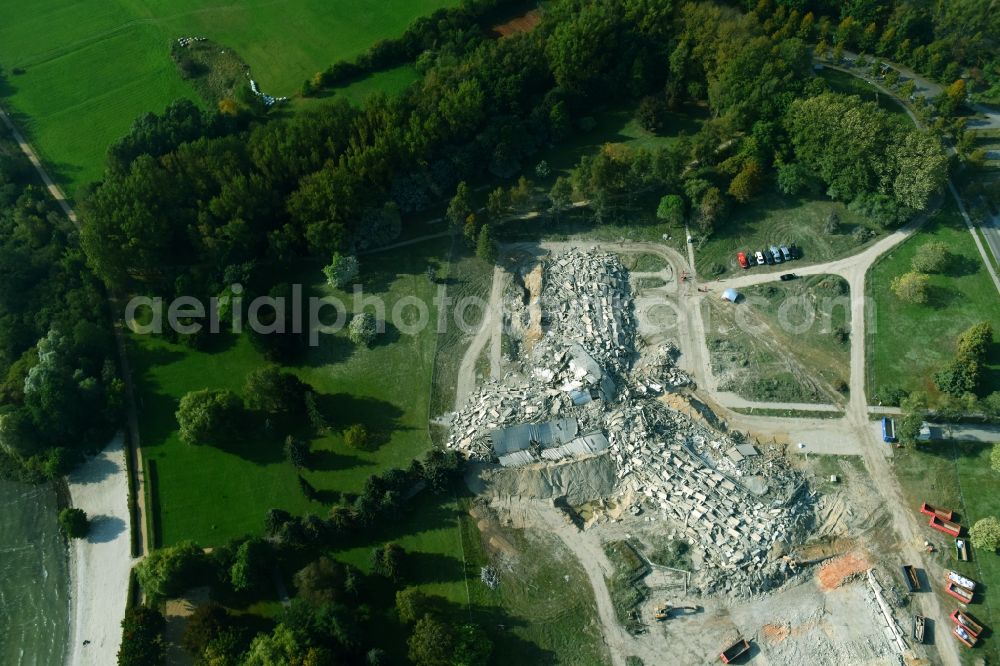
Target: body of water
(34, 578)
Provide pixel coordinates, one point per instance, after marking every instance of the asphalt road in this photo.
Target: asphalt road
(991, 232)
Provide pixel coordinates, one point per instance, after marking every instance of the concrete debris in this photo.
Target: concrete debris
(659, 372)
(578, 396)
(490, 576)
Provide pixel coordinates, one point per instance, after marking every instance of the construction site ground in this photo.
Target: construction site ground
(824, 614)
(780, 344)
(826, 611)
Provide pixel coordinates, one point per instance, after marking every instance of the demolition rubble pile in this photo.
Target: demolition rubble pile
(577, 394)
(663, 457)
(659, 372)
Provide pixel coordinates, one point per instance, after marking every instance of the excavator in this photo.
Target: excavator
(663, 612)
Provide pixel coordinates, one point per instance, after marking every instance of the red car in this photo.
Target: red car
(742, 258)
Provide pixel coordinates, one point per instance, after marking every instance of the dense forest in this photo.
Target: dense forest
(943, 40)
(60, 395)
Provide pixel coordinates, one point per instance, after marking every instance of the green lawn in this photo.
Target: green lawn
(543, 611)
(773, 218)
(210, 494)
(90, 67)
(957, 475)
(908, 343)
(618, 125)
(390, 81)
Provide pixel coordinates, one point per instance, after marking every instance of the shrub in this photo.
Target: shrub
(341, 270)
(356, 437)
(985, 534)
(995, 458)
(362, 329)
(832, 225)
(862, 235)
(931, 257)
(209, 416)
(74, 522)
(911, 287)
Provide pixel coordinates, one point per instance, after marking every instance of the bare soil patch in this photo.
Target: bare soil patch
(524, 23)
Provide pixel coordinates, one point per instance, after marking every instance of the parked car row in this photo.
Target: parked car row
(771, 256)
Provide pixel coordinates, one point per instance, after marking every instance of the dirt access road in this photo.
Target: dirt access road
(490, 331)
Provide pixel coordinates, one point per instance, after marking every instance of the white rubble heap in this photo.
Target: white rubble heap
(741, 510)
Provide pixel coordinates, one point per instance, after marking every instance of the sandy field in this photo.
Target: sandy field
(100, 562)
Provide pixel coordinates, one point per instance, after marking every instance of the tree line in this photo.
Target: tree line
(338, 612)
(60, 394)
(189, 199)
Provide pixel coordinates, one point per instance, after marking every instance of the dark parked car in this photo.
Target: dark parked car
(793, 250)
(785, 277)
(767, 257)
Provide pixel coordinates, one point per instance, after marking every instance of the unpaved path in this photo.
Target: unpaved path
(100, 562)
(586, 547)
(29, 152)
(489, 331)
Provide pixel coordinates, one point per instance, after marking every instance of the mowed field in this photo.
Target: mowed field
(907, 343)
(92, 66)
(211, 494)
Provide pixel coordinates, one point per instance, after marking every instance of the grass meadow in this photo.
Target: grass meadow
(773, 218)
(90, 67)
(212, 494)
(907, 342)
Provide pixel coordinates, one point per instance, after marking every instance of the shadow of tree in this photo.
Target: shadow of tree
(94, 470)
(960, 265)
(326, 460)
(343, 409)
(104, 529)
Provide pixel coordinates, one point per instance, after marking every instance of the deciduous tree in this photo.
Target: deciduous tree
(363, 329)
(911, 287)
(985, 534)
(342, 270)
(74, 522)
(269, 389)
(209, 416)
